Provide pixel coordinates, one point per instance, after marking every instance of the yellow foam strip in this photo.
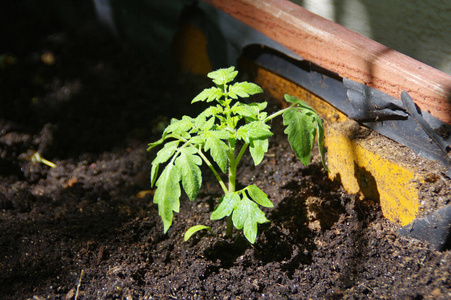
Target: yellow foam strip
(360, 169)
(363, 171)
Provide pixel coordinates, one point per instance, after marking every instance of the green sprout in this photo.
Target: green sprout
(225, 130)
(36, 157)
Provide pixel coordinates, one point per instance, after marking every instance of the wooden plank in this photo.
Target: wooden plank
(345, 52)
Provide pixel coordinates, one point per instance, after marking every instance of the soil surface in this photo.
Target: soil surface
(86, 230)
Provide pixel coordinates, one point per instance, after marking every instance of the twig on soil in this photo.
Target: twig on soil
(79, 284)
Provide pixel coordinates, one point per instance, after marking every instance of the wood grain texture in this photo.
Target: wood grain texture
(345, 52)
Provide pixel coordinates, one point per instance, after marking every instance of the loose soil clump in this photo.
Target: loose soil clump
(85, 229)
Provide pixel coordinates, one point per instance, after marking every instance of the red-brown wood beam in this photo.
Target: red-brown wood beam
(345, 52)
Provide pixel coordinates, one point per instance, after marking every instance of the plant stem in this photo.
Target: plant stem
(229, 229)
(212, 168)
(240, 155)
(232, 168)
(232, 184)
(278, 113)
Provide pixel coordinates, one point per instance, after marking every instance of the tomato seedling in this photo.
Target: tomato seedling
(222, 133)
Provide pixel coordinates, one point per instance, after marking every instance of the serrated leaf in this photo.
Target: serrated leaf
(223, 76)
(211, 111)
(188, 163)
(234, 121)
(255, 130)
(199, 121)
(162, 156)
(300, 103)
(226, 206)
(218, 148)
(192, 230)
(245, 110)
(261, 105)
(247, 215)
(248, 110)
(243, 89)
(154, 144)
(210, 94)
(167, 194)
(256, 194)
(250, 229)
(301, 131)
(180, 127)
(240, 213)
(197, 140)
(208, 124)
(258, 148)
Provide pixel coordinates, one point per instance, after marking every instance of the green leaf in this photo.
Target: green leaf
(322, 148)
(248, 110)
(226, 207)
(241, 212)
(245, 110)
(315, 121)
(247, 215)
(258, 148)
(211, 111)
(243, 90)
(218, 148)
(255, 130)
(259, 196)
(197, 140)
(154, 144)
(192, 230)
(223, 76)
(261, 105)
(210, 94)
(180, 127)
(167, 195)
(301, 131)
(300, 103)
(208, 124)
(162, 156)
(188, 163)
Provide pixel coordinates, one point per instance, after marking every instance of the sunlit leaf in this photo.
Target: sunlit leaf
(223, 76)
(210, 94)
(211, 111)
(243, 90)
(259, 196)
(247, 215)
(258, 148)
(255, 130)
(180, 127)
(192, 230)
(300, 103)
(162, 156)
(167, 194)
(301, 131)
(188, 163)
(226, 206)
(218, 149)
(245, 110)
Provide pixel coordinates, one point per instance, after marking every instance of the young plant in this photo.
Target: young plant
(225, 130)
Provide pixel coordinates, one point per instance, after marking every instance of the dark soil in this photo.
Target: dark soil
(83, 230)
